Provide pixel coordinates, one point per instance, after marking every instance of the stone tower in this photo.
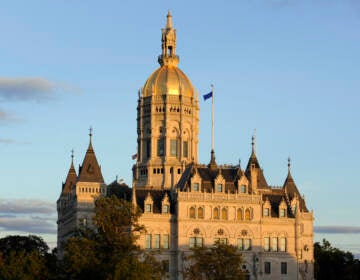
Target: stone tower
(167, 120)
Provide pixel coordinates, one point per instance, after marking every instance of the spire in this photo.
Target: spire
(253, 143)
(168, 44)
(169, 20)
(90, 138)
(90, 170)
(70, 178)
(289, 177)
(212, 163)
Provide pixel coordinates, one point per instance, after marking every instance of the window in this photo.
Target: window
(247, 244)
(201, 213)
(196, 187)
(165, 208)
(156, 241)
(244, 244)
(219, 187)
(160, 147)
(185, 149)
(274, 244)
(216, 213)
(165, 241)
(195, 242)
(282, 213)
(173, 147)
(192, 212)
(267, 267)
(266, 244)
(148, 144)
(147, 208)
(224, 214)
(221, 240)
(240, 244)
(148, 241)
(266, 212)
(239, 214)
(247, 214)
(243, 189)
(282, 244)
(283, 268)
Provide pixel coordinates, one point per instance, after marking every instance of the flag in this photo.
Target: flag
(208, 95)
(134, 156)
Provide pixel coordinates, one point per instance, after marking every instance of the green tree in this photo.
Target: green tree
(25, 258)
(215, 263)
(333, 263)
(109, 251)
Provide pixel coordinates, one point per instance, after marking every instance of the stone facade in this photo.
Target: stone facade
(187, 204)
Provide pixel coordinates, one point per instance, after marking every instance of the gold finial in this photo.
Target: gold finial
(169, 20)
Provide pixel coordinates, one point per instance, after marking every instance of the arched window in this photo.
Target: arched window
(224, 214)
(216, 213)
(192, 212)
(239, 214)
(247, 215)
(201, 213)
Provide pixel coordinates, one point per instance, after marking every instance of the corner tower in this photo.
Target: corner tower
(167, 120)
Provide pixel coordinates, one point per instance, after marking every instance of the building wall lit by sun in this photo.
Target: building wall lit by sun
(187, 204)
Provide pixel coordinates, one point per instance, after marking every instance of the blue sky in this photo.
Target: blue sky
(287, 68)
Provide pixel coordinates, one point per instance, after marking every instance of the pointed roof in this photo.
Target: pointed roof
(90, 170)
(291, 189)
(253, 161)
(70, 178)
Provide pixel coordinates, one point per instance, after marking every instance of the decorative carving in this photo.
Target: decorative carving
(220, 231)
(196, 231)
(244, 232)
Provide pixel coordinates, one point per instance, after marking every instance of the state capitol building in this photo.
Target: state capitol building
(186, 203)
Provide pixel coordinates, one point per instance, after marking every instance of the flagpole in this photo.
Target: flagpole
(212, 119)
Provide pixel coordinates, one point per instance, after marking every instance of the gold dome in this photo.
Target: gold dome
(168, 80)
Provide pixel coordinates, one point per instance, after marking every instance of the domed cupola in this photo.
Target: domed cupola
(168, 79)
(167, 120)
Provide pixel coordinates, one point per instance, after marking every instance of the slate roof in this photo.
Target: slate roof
(157, 196)
(291, 191)
(231, 174)
(70, 180)
(90, 170)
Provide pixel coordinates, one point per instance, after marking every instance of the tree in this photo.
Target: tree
(332, 263)
(25, 258)
(109, 251)
(215, 263)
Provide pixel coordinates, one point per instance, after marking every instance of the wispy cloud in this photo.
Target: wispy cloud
(28, 224)
(13, 141)
(337, 229)
(7, 117)
(31, 89)
(27, 206)
(28, 216)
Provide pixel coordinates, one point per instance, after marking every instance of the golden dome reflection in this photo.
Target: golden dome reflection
(170, 80)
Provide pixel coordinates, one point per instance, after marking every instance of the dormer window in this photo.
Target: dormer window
(266, 212)
(148, 208)
(166, 208)
(282, 213)
(219, 187)
(196, 187)
(243, 189)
